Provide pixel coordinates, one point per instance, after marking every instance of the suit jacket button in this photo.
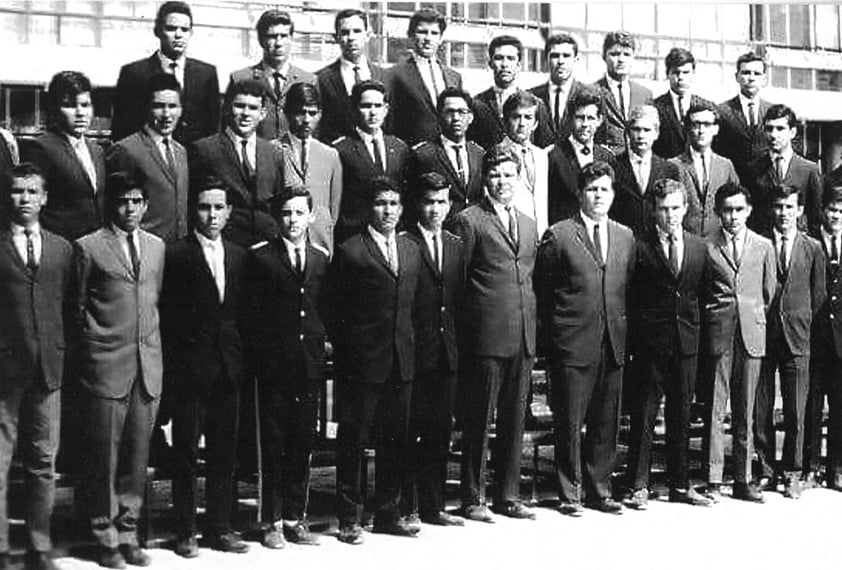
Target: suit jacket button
(301, 337)
(442, 309)
(302, 313)
(302, 290)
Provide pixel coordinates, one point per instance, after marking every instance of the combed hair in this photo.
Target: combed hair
(349, 13)
(367, 85)
(728, 190)
(677, 57)
(271, 18)
(498, 154)
(301, 95)
(662, 188)
(428, 16)
(558, 39)
(22, 170)
(618, 38)
(168, 8)
(594, 170)
(506, 40)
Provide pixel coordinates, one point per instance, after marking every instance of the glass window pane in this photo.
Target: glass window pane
(799, 26)
(514, 11)
(120, 33)
(457, 54)
(12, 29)
(78, 31)
(780, 76)
(571, 15)
(704, 21)
(801, 78)
(828, 80)
(408, 7)
(639, 17)
(827, 26)
(477, 56)
(22, 104)
(43, 30)
(777, 24)
(604, 16)
(734, 22)
(457, 10)
(758, 23)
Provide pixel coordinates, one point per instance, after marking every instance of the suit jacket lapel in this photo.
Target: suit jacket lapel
(724, 246)
(585, 239)
(444, 161)
(12, 251)
(156, 156)
(495, 220)
(114, 241)
(414, 75)
(425, 251)
(374, 251)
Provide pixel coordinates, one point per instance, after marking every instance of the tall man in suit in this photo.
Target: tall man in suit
(251, 167)
(275, 70)
(366, 154)
(415, 84)
(584, 266)
(498, 337)
(201, 302)
(157, 161)
(738, 292)
(800, 293)
(673, 105)
(35, 273)
(72, 165)
(373, 278)
(119, 272)
(619, 93)
(669, 264)
(562, 54)
(335, 81)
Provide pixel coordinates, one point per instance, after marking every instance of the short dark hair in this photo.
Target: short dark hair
(277, 201)
(662, 188)
(210, 181)
(251, 87)
(832, 192)
(701, 107)
(728, 190)
(381, 184)
(586, 96)
(64, 87)
(750, 57)
(301, 95)
(590, 172)
(619, 38)
(519, 100)
(430, 182)
(22, 170)
(162, 82)
(367, 85)
(560, 38)
(172, 7)
(271, 18)
(780, 111)
(784, 191)
(452, 92)
(119, 184)
(677, 57)
(498, 154)
(505, 40)
(349, 13)
(426, 15)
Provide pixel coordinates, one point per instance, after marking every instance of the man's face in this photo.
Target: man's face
(681, 79)
(751, 77)
(669, 212)
(703, 128)
(164, 112)
(276, 43)
(130, 209)
(246, 113)
(27, 196)
(505, 65)
(304, 121)
(597, 197)
(832, 214)
(786, 212)
(372, 110)
(386, 211)
(779, 134)
(74, 116)
(618, 61)
(500, 182)
(455, 118)
(426, 39)
(435, 205)
(521, 123)
(175, 34)
(642, 135)
(352, 37)
(586, 121)
(561, 59)
(734, 213)
(212, 211)
(294, 218)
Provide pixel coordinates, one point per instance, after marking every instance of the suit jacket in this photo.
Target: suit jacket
(499, 302)
(672, 139)
(116, 314)
(202, 346)
(285, 314)
(358, 170)
(488, 129)
(166, 215)
(563, 178)
(564, 127)
(324, 181)
(33, 305)
(75, 206)
(827, 323)
(721, 172)
(199, 101)
(802, 174)
(799, 295)
(664, 306)
(275, 122)
(412, 111)
(580, 299)
(371, 321)
(437, 302)
(337, 113)
(612, 131)
(630, 208)
(738, 296)
(738, 142)
(250, 220)
(531, 198)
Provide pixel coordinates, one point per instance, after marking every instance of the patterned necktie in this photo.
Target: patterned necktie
(512, 224)
(31, 261)
(597, 244)
(168, 150)
(133, 256)
(278, 84)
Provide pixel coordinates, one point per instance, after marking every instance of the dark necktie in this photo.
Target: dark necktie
(512, 224)
(779, 167)
(357, 77)
(378, 154)
(705, 176)
(170, 157)
(298, 264)
(248, 168)
(597, 244)
(436, 258)
(460, 166)
(305, 159)
(135, 259)
(557, 107)
(31, 262)
(782, 260)
(752, 123)
(673, 253)
(680, 109)
(622, 102)
(278, 84)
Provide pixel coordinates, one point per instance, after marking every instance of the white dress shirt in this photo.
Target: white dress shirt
(368, 140)
(450, 149)
(214, 253)
(701, 164)
(590, 223)
(291, 248)
(786, 158)
(178, 70)
(642, 166)
(663, 238)
(739, 240)
(83, 153)
(19, 239)
(251, 146)
(828, 244)
(503, 95)
(388, 246)
(346, 70)
(431, 75)
(431, 245)
(614, 85)
(685, 104)
(124, 242)
(744, 106)
(779, 242)
(583, 158)
(563, 91)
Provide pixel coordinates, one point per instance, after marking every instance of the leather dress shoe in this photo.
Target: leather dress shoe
(227, 542)
(273, 538)
(442, 518)
(767, 483)
(413, 520)
(187, 547)
(134, 555)
(34, 560)
(300, 534)
(514, 511)
(478, 513)
(606, 505)
(110, 558)
(638, 500)
(571, 508)
(351, 533)
(713, 491)
(395, 527)
(747, 492)
(689, 497)
(792, 486)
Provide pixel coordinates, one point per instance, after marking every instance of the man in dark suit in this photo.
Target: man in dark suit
(451, 155)
(157, 161)
(584, 266)
(35, 272)
(664, 323)
(741, 138)
(571, 154)
(366, 154)
(201, 302)
(505, 58)
(800, 293)
(286, 334)
(251, 167)
(781, 165)
(72, 165)
(437, 298)
(562, 54)
(619, 93)
(119, 271)
(274, 34)
(415, 84)
(336, 80)
(198, 80)
(372, 280)
(498, 338)
(673, 105)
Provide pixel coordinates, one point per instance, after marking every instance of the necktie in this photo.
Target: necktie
(174, 70)
(673, 253)
(586, 150)
(392, 249)
(783, 261)
(299, 266)
(31, 262)
(752, 122)
(638, 171)
(357, 77)
(529, 168)
(735, 250)
(597, 244)
(248, 169)
(305, 158)
(278, 84)
(378, 154)
(168, 149)
(218, 269)
(135, 259)
(433, 79)
(680, 109)
(779, 167)
(621, 101)
(557, 107)
(512, 224)
(436, 258)
(460, 166)
(705, 179)
(834, 251)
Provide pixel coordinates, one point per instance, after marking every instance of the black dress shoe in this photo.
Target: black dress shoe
(300, 534)
(478, 513)
(747, 492)
(606, 505)
(187, 547)
(351, 533)
(134, 555)
(514, 511)
(110, 558)
(442, 518)
(34, 560)
(638, 500)
(571, 508)
(396, 527)
(713, 491)
(689, 497)
(227, 542)
(412, 520)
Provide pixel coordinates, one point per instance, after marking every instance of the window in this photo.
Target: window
(477, 56)
(827, 33)
(800, 78)
(484, 11)
(457, 54)
(828, 80)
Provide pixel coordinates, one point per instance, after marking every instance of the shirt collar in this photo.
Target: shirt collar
(636, 158)
(348, 66)
(270, 71)
(165, 61)
(369, 137)
(786, 155)
(695, 154)
(428, 235)
(74, 141)
(789, 237)
(291, 247)
(613, 83)
(237, 139)
(740, 237)
(206, 242)
(448, 143)
(154, 135)
(19, 230)
(120, 232)
(827, 236)
(664, 236)
(579, 146)
(499, 206)
(590, 222)
(378, 237)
